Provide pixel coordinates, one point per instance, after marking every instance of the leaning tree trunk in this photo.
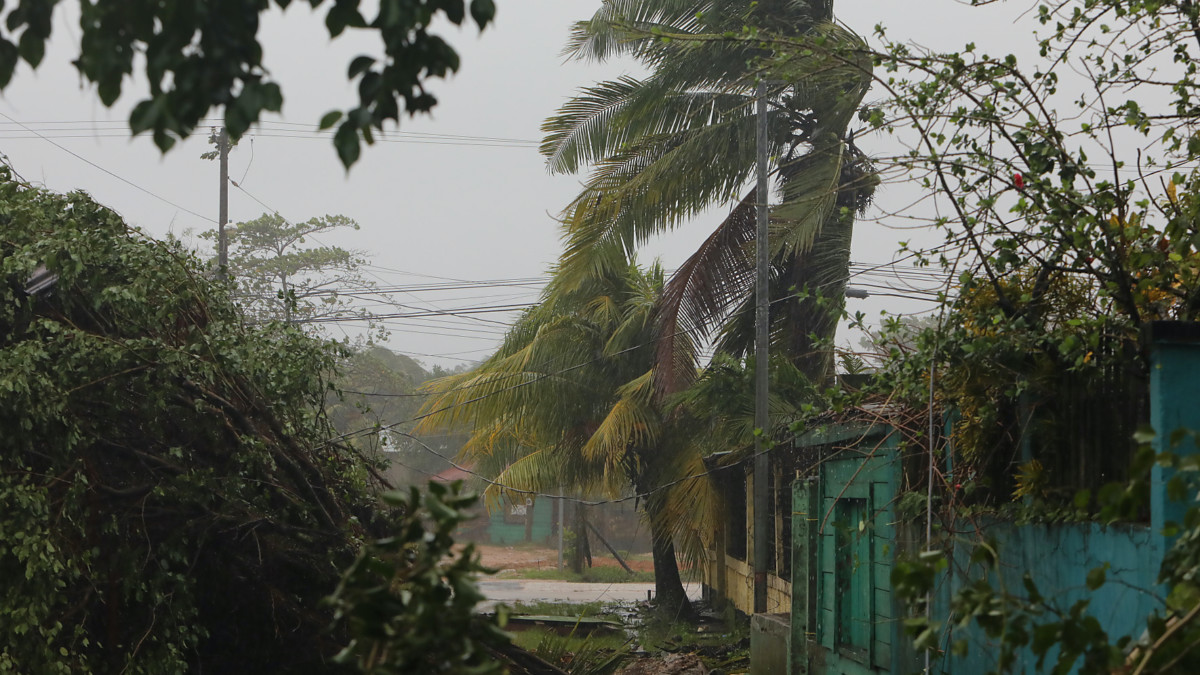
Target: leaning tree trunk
(583, 549)
(810, 323)
(824, 272)
(671, 601)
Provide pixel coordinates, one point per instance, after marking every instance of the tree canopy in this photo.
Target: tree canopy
(283, 274)
(198, 56)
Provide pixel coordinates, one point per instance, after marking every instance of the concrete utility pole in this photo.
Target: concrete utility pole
(223, 218)
(761, 335)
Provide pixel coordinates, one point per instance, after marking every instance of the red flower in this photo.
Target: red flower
(1018, 181)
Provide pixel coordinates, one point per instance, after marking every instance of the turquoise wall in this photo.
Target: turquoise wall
(1174, 392)
(1058, 558)
(502, 533)
(844, 618)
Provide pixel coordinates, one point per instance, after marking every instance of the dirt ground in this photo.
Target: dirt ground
(521, 557)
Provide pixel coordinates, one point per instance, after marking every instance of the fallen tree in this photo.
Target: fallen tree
(169, 497)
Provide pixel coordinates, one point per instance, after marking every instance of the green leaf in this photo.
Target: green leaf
(483, 11)
(8, 61)
(329, 119)
(1097, 577)
(359, 65)
(272, 97)
(1144, 434)
(1183, 596)
(345, 141)
(1083, 498)
(32, 48)
(143, 117)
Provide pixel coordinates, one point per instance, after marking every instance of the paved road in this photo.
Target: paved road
(527, 591)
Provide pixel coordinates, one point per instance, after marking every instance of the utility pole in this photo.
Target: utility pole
(761, 335)
(223, 218)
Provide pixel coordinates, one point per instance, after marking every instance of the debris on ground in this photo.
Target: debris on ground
(667, 664)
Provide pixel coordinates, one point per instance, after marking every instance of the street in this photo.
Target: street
(529, 591)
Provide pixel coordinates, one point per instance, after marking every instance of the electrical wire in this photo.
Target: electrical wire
(110, 173)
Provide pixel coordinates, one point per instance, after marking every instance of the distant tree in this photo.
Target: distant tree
(203, 55)
(282, 276)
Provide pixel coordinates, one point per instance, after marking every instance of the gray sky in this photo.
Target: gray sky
(430, 207)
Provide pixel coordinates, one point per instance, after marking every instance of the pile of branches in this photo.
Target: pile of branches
(169, 497)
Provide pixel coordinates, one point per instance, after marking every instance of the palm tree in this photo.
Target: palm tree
(665, 147)
(568, 399)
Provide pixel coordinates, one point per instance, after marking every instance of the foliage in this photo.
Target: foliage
(198, 56)
(169, 500)
(1064, 232)
(409, 599)
(579, 655)
(663, 148)
(280, 276)
(1065, 188)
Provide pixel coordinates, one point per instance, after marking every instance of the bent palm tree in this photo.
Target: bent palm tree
(665, 147)
(568, 400)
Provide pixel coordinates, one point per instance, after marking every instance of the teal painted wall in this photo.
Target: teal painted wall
(1059, 557)
(849, 624)
(1174, 404)
(844, 619)
(502, 533)
(840, 628)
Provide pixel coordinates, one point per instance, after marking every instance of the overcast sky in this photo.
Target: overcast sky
(431, 208)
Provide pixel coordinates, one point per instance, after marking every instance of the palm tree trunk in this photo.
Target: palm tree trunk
(811, 322)
(583, 549)
(671, 601)
(824, 269)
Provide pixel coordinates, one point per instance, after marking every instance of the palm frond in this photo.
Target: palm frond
(700, 294)
(653, 187)
(632, 421)
(605, 118)
(538, 471)
(810, 192)
(623, 27)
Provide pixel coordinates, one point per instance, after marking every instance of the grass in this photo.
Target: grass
(595, 654)
(724, 650)
(535, 640)
(598, 653)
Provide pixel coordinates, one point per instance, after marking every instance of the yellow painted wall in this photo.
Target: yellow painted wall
(739, 586)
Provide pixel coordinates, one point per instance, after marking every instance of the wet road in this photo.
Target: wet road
(529, 591)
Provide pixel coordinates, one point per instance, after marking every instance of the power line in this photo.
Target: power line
(429, 313)
(110, 173)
